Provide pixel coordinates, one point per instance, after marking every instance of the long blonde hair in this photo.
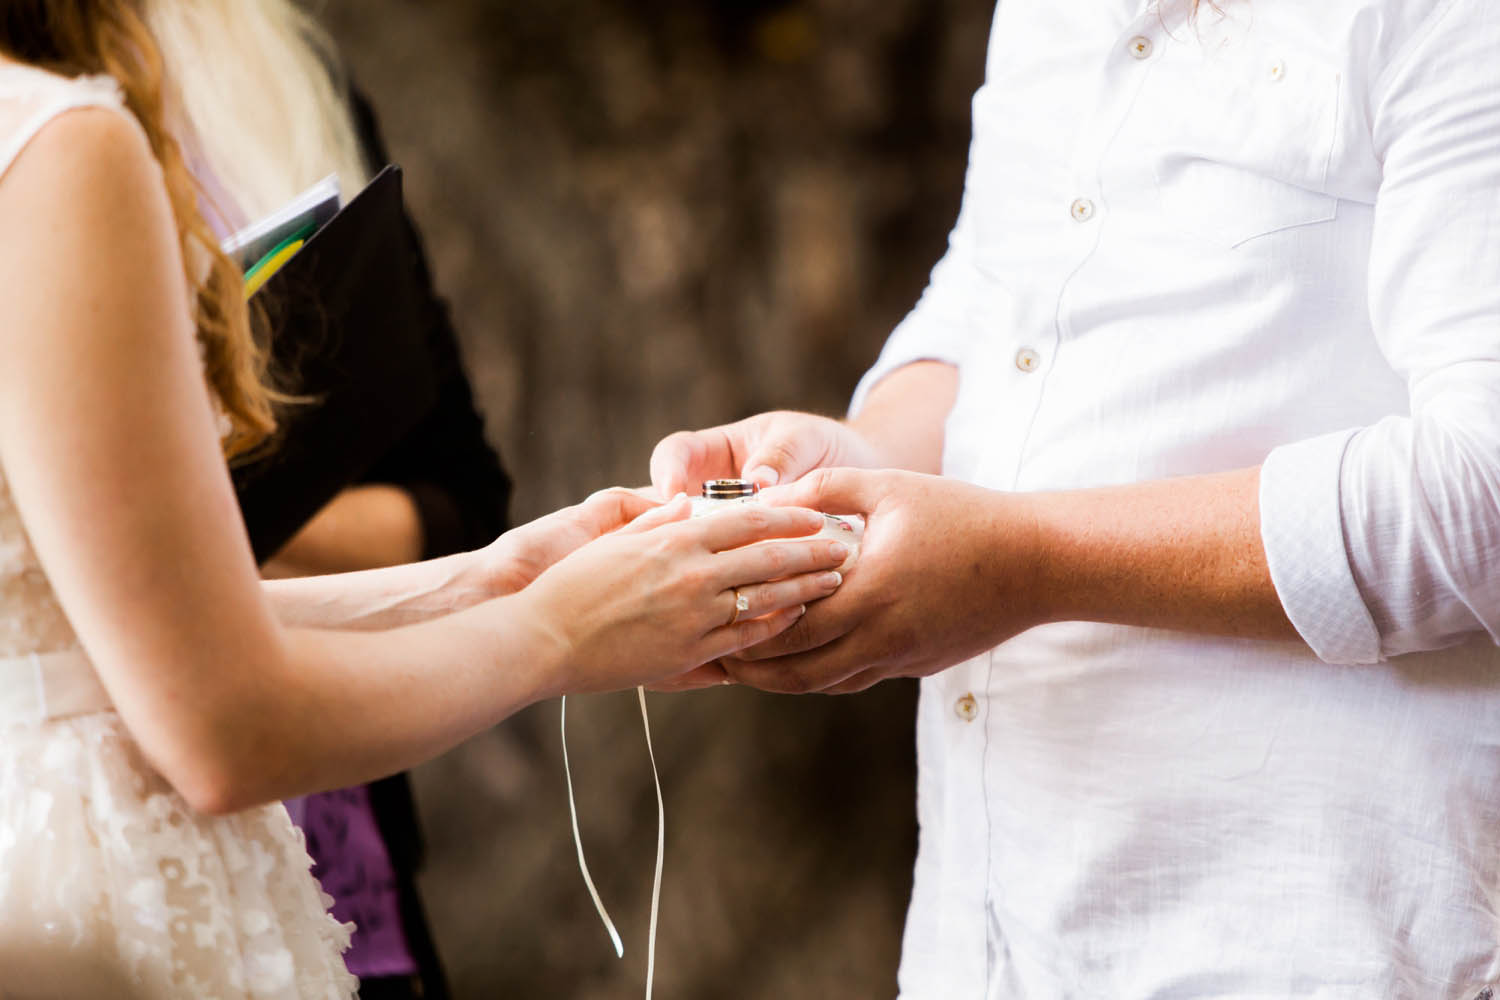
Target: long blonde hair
(258, 100)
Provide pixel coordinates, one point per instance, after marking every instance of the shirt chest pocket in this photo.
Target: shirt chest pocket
(1240, 137)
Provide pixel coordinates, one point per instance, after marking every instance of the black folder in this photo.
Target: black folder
(347, 334)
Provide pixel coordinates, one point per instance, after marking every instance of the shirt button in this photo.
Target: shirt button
(1140, 47)
(1277, 72)
(1028, 360)
(967, 708)
(1082, 209)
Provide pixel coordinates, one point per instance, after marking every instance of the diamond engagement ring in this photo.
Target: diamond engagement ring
(741, 605)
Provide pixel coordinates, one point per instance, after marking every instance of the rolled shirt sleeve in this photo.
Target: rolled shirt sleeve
(1385, 539)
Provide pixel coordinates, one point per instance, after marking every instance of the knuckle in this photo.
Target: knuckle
(797, 682)
(693, 580)
(798, 637)
(604, 497)
(762, 638)
(811, 588)
(758, 519)
(737, 670)
(821, 485)
(779, 452)
(751, 632)
(658, 556)
(776, 559)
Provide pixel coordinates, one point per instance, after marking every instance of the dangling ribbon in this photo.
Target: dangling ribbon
(661, 843)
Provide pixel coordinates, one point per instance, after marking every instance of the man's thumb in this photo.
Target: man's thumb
(778, 460)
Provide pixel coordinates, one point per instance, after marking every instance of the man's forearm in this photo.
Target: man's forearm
(905, 413)
(1177, 553)
(1181, 553)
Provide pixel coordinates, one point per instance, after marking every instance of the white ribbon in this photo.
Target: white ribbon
(661, 844)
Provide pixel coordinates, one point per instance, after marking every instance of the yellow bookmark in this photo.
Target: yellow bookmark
(261, 273)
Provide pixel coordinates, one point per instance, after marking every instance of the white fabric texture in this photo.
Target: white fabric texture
(110, 885)
(1269, 237)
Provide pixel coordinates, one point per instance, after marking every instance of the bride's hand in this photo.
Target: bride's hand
(523, 553)
(658, 598)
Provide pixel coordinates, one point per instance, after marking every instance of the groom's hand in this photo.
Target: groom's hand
(769, 448)
(943, 574)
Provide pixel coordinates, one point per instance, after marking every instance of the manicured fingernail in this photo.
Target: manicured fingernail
(802, 610)
(838, 550)
(726, 680)
(831, 579)
(764, 475)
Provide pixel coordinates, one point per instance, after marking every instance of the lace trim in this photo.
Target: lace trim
(104, 868)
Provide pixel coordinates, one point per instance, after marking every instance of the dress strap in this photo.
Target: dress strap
(52, 95)
(38, 687)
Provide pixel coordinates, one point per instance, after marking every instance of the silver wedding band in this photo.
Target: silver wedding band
(741, 605)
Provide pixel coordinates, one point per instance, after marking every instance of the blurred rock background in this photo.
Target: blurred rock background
(650, 216)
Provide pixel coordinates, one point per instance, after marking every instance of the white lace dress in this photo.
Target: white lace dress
(110, 885)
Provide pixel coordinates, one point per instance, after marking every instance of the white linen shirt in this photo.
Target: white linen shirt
(1266, 238)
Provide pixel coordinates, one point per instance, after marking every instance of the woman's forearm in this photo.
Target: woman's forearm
(382, 598)
(415, 592)
(337, 708)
